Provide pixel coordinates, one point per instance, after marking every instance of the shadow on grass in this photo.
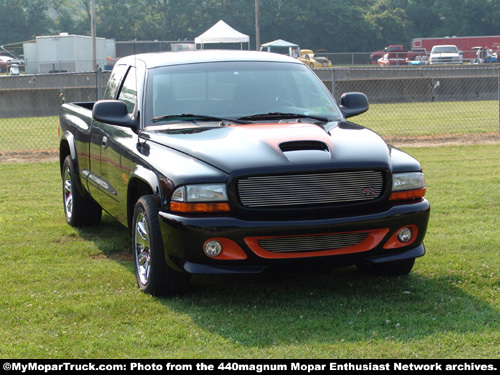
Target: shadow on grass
(324, 306)
(341, 304)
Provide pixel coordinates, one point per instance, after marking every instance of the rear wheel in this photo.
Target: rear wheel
(394, 268)
(153, 275)
(78, 209)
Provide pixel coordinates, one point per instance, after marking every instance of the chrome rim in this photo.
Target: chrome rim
(67, 193)
(142, 249)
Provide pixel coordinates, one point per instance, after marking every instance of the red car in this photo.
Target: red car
(390, 59)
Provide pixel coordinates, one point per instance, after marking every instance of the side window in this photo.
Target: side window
(128, 93)
(114, 81)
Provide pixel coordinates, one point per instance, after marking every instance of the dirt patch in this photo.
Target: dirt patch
(29, 156)
(444, 140)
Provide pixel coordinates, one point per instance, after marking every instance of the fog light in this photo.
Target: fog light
(405, 235)
(213, 248)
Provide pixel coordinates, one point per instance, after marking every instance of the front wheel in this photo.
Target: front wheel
(153, 275)
(395, 268)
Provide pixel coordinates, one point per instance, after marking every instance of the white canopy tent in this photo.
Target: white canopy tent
(221, 32)
(280, 45)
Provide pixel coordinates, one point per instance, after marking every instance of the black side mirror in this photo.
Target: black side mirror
(353, 104)
(113, 112)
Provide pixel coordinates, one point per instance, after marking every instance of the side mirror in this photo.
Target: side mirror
(113, 112)
(353, 104)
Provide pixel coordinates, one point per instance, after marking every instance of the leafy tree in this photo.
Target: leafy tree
(13, 22)
(334, 25)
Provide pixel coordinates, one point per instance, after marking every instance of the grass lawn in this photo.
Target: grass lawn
(71, 293)
(432, 118)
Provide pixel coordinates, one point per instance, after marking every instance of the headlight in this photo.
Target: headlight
(203, 198)
(406, 186)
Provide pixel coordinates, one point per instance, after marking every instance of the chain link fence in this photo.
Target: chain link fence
(30, 104)
(405, 103)
(425, 102)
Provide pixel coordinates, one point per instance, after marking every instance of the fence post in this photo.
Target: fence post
(333, 83)
(99, 83)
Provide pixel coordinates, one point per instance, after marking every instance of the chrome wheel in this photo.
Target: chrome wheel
(152, 273)
(142, 249)
(68, 194)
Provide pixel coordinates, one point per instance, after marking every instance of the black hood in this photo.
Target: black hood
(286, 145)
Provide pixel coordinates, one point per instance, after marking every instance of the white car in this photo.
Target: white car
(445, 54)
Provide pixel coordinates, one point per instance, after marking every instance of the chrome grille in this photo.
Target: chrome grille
(311, 243)
(310, 189)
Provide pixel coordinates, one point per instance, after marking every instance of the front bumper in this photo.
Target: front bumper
(243, 252)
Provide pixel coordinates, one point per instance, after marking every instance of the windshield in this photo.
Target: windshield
(445, 49)
(232, 90)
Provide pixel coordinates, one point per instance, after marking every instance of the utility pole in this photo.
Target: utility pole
(257, 26)
(93, 35)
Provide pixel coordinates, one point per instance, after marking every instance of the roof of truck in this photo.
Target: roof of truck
(153, 60)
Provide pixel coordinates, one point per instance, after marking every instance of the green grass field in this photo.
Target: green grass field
(71, 293)
(407, 119)
(433, 118)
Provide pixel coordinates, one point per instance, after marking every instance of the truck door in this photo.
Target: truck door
(95, 180)
(115, 154)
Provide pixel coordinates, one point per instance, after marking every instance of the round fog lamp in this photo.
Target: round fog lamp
(404, 235)
(213, 248)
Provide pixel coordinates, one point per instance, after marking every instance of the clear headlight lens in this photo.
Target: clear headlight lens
(200, 193)
(408, 181)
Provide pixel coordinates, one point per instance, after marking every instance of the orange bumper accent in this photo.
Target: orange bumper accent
(394, 243)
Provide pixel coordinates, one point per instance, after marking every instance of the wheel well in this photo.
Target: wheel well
(63, 152)
(136, 189)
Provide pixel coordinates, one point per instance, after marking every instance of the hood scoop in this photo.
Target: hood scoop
(305, 151)
(303, 146)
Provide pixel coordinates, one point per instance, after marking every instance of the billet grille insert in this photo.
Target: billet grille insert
(310, 189)
(311, 243)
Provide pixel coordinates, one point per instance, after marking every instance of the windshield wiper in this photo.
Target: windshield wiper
(193, 117)
(281, 115)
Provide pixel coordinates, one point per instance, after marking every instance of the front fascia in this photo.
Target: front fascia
(184, 237)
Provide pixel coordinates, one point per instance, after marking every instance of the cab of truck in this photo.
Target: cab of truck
(445, 54)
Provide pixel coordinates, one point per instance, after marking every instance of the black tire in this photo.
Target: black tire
(80, 211)
(152, 273)
(395, 268)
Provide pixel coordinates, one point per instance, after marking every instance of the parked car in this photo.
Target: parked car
(8, 62)
(238, 162)
(308, 58)
(4, 63)
(391, 59)
(445, 54)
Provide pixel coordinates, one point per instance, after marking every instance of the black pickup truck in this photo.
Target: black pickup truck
(238, 162)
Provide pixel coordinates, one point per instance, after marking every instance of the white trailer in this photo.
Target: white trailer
(64, 53)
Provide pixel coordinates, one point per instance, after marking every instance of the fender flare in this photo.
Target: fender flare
(146, 178)
(70, 140)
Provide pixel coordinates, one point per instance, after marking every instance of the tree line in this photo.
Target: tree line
(331, 25)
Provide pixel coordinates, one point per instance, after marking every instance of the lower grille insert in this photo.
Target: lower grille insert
(312, 243)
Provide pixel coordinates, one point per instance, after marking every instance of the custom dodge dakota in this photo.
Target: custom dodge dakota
(238, 162)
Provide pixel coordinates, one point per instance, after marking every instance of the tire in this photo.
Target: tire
(79, 210)
(152, 273)
(395, 268)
